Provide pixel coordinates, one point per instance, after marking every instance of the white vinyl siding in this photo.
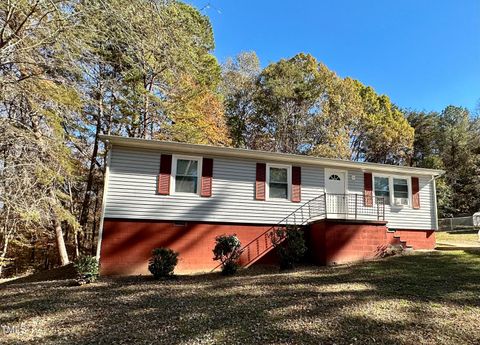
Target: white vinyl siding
(355, 181)
(132, 193)
(133, 185)
(408, 218)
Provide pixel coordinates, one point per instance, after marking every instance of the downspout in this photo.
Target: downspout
(434, 178)
(104, 200)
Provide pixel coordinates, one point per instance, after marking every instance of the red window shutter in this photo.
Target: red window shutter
(260, 181)
(415, 193)
(296, 184)
(207, 174)
(164, 176)
(368, 190)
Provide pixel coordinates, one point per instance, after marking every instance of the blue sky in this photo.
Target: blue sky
(424, 54)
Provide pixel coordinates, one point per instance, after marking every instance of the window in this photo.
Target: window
(334, 177)
(278, 182)
(382, 187)
(186, 175)
(400, 191)
(395, 189)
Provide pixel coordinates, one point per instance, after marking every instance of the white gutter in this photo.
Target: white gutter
(263, 155)
(104, 201)
(435, 207)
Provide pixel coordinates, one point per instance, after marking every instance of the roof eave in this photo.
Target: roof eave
(263, 155)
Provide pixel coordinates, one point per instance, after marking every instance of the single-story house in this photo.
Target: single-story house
(181, 196)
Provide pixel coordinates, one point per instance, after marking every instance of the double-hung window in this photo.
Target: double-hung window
(394, 189)
(382, 187)
(278, 182)
(186, 174)
(400, 191)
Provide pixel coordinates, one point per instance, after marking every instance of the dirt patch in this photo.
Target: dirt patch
(59, 273)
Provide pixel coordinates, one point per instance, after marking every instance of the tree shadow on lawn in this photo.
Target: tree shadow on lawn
(473, 251)
(463, 231)
(382, 300)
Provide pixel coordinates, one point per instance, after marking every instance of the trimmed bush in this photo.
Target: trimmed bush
(87, 269)
(227, 250)
(163, 262)
(290, 245)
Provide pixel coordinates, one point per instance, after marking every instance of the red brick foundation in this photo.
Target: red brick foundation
(417, 239)
(127, 245)
(336, 242)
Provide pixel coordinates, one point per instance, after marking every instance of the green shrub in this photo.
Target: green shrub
(230, 268)
(87, 269)
(163, 262)
(290, 245)
(227, 250)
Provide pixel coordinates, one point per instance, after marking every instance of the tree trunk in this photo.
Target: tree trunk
(75, 239)
(75, 231)
(62, 249)
(145, 116)
(94, 225)
(145, 109)
(3, 254)
(146, 106)
(88, 189)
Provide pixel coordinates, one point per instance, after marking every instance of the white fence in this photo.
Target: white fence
(459, 223)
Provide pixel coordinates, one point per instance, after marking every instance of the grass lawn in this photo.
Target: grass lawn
(422, 298)
(459, 237)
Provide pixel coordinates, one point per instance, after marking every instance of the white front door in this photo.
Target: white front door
(336, 188)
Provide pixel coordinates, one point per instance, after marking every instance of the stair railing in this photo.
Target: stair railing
(252, 251)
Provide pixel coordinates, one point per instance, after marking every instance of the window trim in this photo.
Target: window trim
(175, 158)
(289, 181)
(390, 188)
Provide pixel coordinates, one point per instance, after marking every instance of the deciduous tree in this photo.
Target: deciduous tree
(238, 87)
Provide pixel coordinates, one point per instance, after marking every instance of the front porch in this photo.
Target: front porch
(355, 211)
